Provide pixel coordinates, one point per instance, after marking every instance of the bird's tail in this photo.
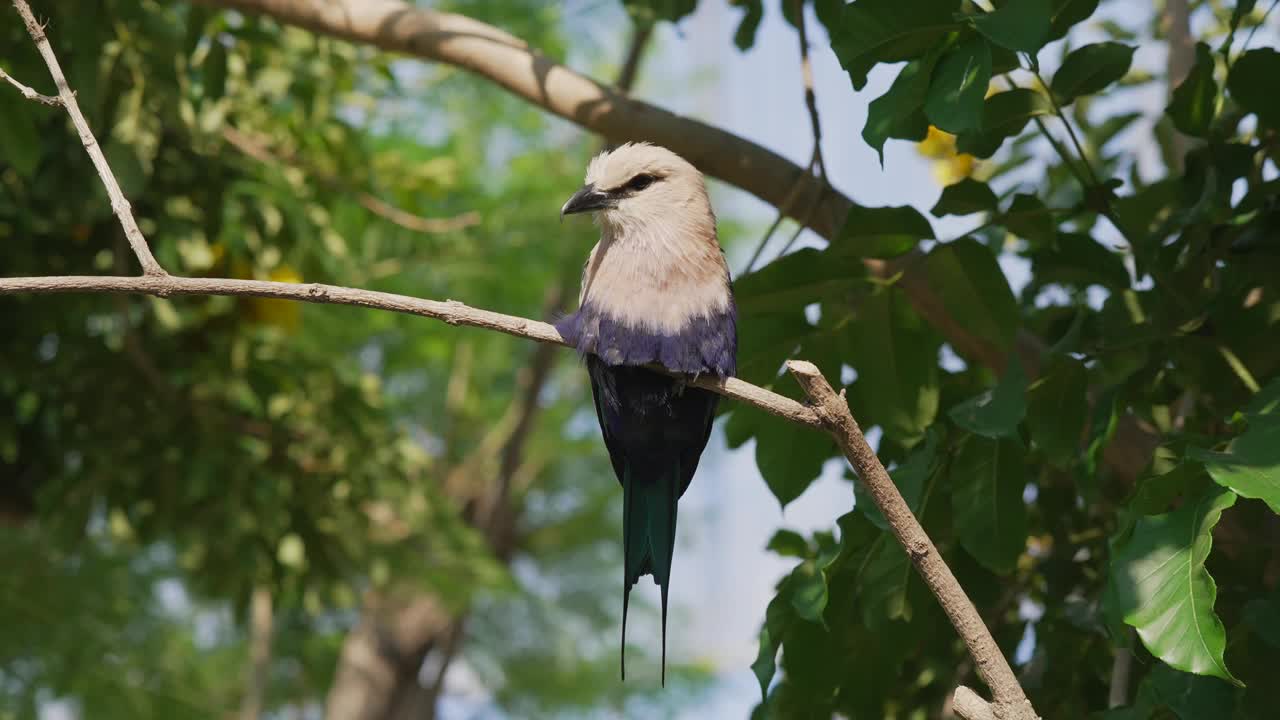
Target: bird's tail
(648, 540)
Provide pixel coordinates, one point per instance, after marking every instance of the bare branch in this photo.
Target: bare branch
(449, 311)
(66, 98)
(257, 149)
(1009, 699)
(28, 93)
(968, 705)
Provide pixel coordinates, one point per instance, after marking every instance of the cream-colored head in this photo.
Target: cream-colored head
(658, 263)
(638, 186)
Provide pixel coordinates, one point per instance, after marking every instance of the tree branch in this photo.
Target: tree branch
(1010, 702)
(510, 63)
(449, 311)
(66, 98)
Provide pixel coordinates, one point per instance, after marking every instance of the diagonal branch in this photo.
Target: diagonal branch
(510, 63)
(119, 205)
(1010, 702)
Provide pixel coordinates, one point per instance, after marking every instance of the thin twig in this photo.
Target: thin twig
(258, 150)
(119, 205)
(28, 93)
(816, 161)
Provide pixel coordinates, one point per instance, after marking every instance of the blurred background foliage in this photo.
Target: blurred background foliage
(186, 480)
(162, 459)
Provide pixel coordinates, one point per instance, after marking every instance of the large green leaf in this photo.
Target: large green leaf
(1058, 409)
(910, 477)
(1003, 116)
(883, 231)
(1020, 25)
(778, 618)
(959, 84)
(789, 456)
(745, 36)
(895, 354)
(1029, 219)
(1251, 465)
(898, 113)
(882, 583)
(987, 479)
(1067, 13)
(967, 277)
(1164, 590)
(1252, 83)
(965, 198)
(875, 31)
(1196, 100)
(1090, 68)
(997, 412)
(1079, 260)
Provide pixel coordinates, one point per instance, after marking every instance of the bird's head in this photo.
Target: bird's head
(641, 186)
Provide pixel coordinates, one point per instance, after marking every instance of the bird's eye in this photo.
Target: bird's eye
(640, 182)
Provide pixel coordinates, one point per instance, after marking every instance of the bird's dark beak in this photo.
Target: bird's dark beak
(586, 199)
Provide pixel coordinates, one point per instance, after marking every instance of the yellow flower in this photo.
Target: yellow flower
(949, 166)
(284, 314)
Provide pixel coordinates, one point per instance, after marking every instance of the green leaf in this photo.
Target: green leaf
(882, 583)
(1252, 83)
(898, 112)
(1251, 465)
(778, 619)
(1003, 116)
(959, 84)
(1165, 591)
(1240, 12)
(790, 457)
(1029, 219)
(1266, 401)
(996, 412)
(19, 139)
(883, 231)
(1090, 68)
(988, 478)
(965, 198)
(1077, 259)
(1195, 100)
(745, 36)
(1020, 25)
(969, 281)
(808, 590)
(1068, 13)
(651, 10)
(1058, 409)
(910, 477)
(788, 543)
(895, 354)
(876, 31)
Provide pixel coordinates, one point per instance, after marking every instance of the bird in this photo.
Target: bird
(656, 292)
